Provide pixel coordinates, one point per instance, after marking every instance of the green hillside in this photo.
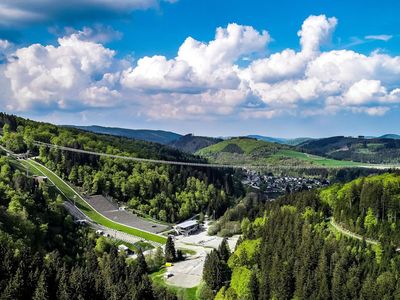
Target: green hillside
(257, 152)
(292, 248)
(361, 149)
(165, 192)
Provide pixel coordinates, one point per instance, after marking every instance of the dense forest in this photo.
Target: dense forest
(44, 255)
(169, 193)
(369, 206)
(292, 252)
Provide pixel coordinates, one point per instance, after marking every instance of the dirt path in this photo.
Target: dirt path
(351, 234)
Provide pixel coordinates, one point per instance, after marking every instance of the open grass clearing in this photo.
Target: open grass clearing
(317, 160)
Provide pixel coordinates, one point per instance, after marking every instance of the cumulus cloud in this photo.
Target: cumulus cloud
(315, 31)
(207, 79)
(62, 77)
(198, 66)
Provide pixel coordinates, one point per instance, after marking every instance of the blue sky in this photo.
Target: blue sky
(278, 68)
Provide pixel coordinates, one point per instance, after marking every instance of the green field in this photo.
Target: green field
(317, 160)
(182, 293)
(72, 195)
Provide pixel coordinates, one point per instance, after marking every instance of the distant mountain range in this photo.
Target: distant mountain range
(390, 136)
(292, 142)
(366, 149)
(156, 136)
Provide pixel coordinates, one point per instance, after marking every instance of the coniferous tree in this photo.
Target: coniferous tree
(41, 291)
(223, 250)
(253, 286)
(141, 263)
(322, 278)
(14, 288)
(170, 253)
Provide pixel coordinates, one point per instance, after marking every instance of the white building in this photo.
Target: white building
(123, 248)
(187, 227)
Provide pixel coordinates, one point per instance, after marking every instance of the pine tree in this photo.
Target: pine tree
(223, 250)
(159, 258)
(253, 286)
(215, 271)
(170, 253)
(63, 288)
(41, 291)
(14, 288)
(141, 263)
(322, 277)
(339, 281)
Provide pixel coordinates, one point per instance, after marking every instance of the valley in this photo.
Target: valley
(133, 197)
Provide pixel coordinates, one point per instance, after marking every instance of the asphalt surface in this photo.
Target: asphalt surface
(111, 211)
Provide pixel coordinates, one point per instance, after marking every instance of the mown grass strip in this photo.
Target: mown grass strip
(73, 196)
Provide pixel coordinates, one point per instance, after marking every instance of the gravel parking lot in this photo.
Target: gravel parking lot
(188, 273)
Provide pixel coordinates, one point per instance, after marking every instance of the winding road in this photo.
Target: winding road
(351, 234)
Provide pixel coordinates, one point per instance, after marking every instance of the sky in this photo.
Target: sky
(283, 68)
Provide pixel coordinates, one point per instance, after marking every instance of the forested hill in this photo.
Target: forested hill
(292, 252)
(191, 144)
(243, 150)
(366, 150)
(169, 193)
(156, 136)
(368, 206)
(45, 255)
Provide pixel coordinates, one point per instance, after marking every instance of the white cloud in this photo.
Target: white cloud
(380, 37)
(364, 91)
(56, 76)
(372, 111)
(198, 66)
(4, 45)
(207, 79)
(98, 33)
(315, 31)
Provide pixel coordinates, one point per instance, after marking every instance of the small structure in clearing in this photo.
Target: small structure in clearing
(187, 227)
(123, 248)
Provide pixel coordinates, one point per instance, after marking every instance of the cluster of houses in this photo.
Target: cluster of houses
(281, 184)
